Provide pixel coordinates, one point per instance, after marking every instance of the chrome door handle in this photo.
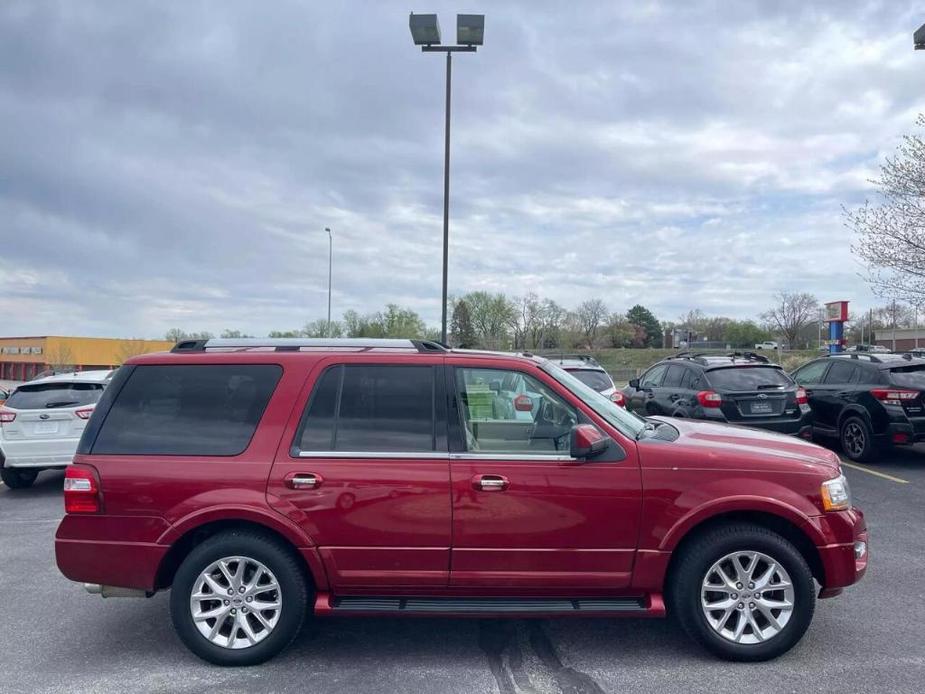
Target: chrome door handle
(303, 480)
(490, 483)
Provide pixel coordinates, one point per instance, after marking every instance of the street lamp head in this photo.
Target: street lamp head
(425, 30)
(919, 38)
(470, 29)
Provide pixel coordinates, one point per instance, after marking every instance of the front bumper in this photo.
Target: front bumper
(841, 567)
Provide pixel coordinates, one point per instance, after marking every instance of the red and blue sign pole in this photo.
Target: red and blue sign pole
(836, 315)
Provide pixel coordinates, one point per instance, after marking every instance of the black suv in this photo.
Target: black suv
(735, 388)
(866, 401)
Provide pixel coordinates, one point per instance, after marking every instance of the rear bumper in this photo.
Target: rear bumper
(39, 452)
(840, 564)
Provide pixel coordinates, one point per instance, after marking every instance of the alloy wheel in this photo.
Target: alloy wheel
(236, 602)
(854, 439)
(747, 597)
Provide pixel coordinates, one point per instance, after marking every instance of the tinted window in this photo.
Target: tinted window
(596, 379)
(371, 407)
(687, 379)
(909, 376)
(841, 372)
(654, 376)
(533, 420)
(674, 376)
(812, 372)
(748, 378)
(50, 395)
(187, 410)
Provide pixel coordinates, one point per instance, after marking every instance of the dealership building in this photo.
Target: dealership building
(23, 358)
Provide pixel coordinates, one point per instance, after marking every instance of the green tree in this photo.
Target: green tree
(461, 331)
(319, 328)
(493, 318)
(642, 318)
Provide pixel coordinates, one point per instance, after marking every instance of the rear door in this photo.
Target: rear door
(669, 396)
(810, 376)
(364, 469)
(525, 514)
(835, 391)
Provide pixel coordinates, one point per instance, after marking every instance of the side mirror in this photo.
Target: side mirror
(634, 383)
(587, 441)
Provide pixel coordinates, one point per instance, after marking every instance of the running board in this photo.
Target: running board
(325, 604)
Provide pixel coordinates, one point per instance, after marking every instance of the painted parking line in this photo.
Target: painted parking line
(863, 468)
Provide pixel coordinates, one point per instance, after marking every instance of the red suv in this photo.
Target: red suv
(264, 480)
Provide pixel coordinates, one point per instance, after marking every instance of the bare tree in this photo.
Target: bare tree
(791, 313)
(591, 314)
(59, 358)
(890, 237)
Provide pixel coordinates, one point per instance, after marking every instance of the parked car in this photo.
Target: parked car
(4, 394)
(41, 423)
(586, 369)
(215, 471)
(767, 344)
(867, 402)
(736, 388)
(917, 352)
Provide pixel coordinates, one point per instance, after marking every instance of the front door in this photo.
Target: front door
(525, 514)
(366, 472)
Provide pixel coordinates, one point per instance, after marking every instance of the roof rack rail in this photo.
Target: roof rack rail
(580, 357)
(294, 344)
(854, 355)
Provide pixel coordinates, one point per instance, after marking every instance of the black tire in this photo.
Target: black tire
(696, 560)
(15, 478)
(856, 439)
(275, 555)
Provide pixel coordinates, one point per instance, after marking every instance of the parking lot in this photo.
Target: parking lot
(57, 638)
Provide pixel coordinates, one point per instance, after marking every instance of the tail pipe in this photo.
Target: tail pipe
(115, 591)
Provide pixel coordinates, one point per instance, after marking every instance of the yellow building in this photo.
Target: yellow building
(23, 358)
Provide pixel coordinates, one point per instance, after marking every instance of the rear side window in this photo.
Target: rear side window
(51, 395)
(188, 410)
(841, 373)
(748, 378)
(674, 376)
(371, 407)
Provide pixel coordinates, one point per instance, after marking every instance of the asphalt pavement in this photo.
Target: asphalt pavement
(57, 638)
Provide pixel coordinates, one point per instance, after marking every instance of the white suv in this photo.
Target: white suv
(41, 423)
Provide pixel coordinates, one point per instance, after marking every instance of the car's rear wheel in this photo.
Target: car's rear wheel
(18, 479)
(239, 598)
(743, 592)
(856, 439)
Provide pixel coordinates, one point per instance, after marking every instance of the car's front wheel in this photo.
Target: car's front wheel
(239, 598)
(18, 478)
(743, 592)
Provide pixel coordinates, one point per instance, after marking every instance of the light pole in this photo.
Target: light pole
(330, 272)
(425, 32)
(918, 38)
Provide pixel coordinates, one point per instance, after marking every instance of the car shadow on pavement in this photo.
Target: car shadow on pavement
(48, 484)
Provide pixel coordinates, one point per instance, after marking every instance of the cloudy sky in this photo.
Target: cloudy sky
(173, 164)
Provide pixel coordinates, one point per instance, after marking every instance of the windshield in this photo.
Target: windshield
(627, 422)
(599, 380)
(748, 378)
(50, 395)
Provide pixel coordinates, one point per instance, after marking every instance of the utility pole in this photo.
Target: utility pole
(330, 272)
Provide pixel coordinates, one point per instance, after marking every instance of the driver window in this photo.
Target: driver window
(511, 412)
(654, 376)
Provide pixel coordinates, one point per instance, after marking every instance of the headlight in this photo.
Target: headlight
(836, 495)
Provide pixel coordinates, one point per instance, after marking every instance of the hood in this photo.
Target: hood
(728, 445)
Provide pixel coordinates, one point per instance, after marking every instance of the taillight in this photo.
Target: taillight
(617, 398)
(707, 398)
(6, 416)
(81, 490)
(894, 396)
(802, 398)
(84, 413)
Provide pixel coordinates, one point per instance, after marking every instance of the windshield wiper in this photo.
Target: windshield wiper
(649, 427)
(61, 403)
